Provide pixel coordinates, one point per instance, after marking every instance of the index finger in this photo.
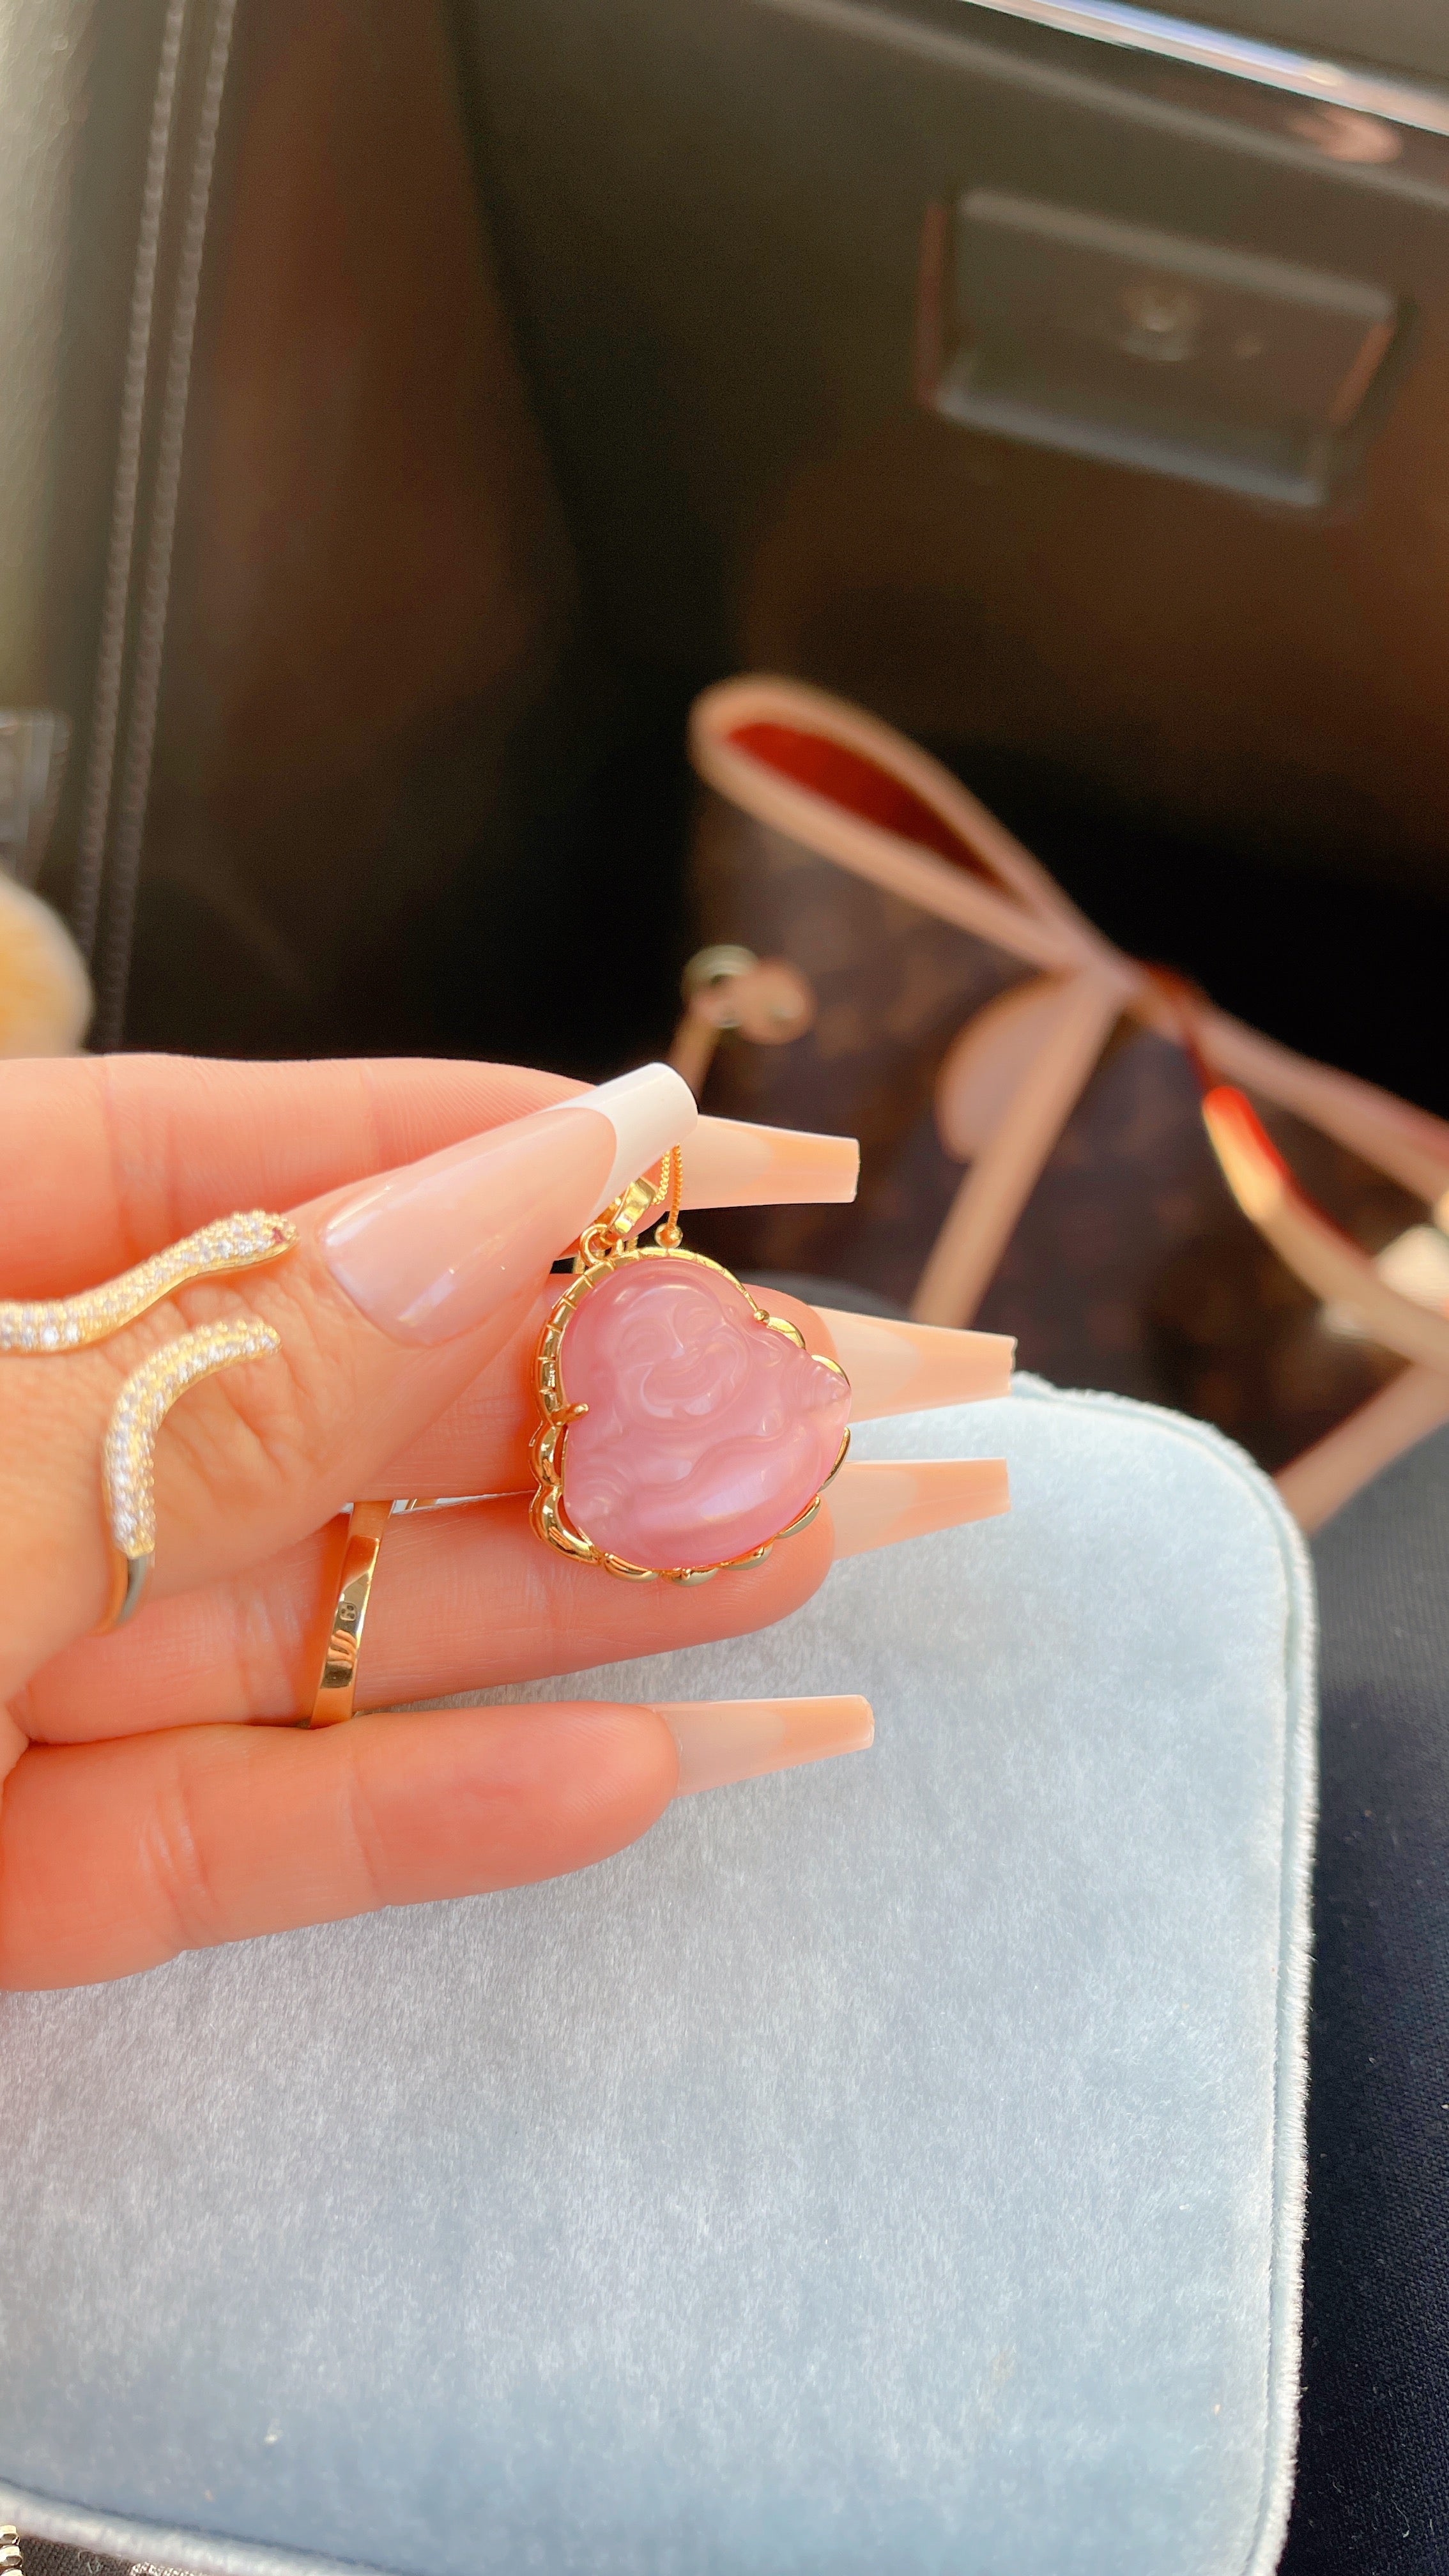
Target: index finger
(108, 1158)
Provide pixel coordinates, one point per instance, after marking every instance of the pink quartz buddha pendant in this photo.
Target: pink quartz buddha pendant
(684, 1429)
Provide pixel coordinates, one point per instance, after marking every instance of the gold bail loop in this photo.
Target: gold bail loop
(671, 1181)
(630, 1212)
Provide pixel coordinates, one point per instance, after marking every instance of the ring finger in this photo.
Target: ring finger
(464, 1599)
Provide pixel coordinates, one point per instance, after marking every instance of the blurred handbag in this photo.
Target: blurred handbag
(1097, 1104)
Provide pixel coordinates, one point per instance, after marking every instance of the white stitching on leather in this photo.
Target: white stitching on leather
(111, 653)
(115, 966)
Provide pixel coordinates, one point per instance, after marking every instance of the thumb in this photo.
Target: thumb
(396, 1294)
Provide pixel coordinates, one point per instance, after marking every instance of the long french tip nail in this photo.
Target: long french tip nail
(640, 1106)
(722, 1740)
(916, 1368)
(875, 1502)
(432, 1250)
(732, 1164)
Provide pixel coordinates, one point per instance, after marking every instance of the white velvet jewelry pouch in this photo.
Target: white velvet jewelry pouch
(890, 2166)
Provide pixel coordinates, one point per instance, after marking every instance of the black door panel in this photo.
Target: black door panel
(713, 220)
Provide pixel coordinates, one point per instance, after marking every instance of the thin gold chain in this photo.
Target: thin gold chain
(671, 1180)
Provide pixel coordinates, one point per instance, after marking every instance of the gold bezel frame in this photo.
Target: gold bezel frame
(546, 1451)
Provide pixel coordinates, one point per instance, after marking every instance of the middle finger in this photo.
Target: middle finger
(462, 1600)
(469, 1598)
(479, 1443)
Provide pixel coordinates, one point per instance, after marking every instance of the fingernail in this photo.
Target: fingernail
(732, 1164)
(721, 1740)
(875, 1502)
(639, 1106)
(916, 1368)
(432, 1250)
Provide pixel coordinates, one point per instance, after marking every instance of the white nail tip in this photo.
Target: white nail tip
(649, 1110)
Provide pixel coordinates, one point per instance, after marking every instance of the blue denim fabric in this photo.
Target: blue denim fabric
(1372, 2497)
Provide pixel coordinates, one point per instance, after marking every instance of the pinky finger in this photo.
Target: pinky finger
(115, 1856)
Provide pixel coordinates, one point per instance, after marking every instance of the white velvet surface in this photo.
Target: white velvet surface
(891, 2166)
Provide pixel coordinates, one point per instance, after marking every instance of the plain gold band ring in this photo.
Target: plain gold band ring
(337, 1688)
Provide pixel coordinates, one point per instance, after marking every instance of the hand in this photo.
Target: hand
(155, 1791)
